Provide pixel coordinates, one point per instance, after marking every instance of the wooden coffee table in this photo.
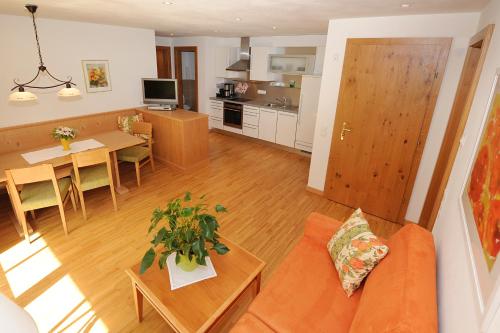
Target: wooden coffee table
(211, 305)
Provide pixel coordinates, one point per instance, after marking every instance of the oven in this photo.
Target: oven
(233, 114)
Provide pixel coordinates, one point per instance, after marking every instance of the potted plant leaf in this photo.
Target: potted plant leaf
(187, 230)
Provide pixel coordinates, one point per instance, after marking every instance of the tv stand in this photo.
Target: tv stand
(166, 107)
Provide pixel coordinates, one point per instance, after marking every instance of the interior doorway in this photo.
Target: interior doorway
(186, 73)
(466, 89)
(387, 95)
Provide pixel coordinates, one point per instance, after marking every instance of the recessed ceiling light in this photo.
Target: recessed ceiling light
(238, 19)
(167, 3)
(405, 5)
(274, 27)
(171, 34)
(216, 30)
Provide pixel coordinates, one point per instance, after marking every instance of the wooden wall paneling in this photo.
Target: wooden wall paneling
(387, 97)
(466, 89)
(23, 137)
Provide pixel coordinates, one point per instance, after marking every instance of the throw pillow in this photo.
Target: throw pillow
(355, 250)
(125, 122)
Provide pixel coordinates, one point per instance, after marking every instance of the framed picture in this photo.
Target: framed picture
(480, 203)
(96, 75)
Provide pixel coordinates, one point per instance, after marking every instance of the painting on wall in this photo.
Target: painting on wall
(481, 199)
(96, 75)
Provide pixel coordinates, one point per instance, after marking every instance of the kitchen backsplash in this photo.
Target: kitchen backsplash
(292, 94)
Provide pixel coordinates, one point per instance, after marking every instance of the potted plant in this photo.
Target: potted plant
(65, 135)
(186, 231)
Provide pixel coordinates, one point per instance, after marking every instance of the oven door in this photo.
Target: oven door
(232, 117)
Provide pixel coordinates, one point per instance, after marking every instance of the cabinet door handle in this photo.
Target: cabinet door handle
(300, 110)
(344, 129)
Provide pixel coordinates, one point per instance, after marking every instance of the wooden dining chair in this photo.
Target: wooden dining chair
(39, 188)
(142, 154)
(91, 170)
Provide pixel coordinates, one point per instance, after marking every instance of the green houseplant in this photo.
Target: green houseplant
(186, 230)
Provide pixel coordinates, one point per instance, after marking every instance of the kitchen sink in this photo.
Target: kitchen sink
(275, 105)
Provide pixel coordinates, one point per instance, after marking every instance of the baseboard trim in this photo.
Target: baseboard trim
(315, 191)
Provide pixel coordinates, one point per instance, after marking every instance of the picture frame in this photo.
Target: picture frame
(96, 75)
(479, 205)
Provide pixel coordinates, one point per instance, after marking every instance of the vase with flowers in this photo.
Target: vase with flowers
(64, 135)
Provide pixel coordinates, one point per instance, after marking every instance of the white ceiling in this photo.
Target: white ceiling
(218, 17)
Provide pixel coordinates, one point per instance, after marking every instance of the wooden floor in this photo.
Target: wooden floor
(77, 283)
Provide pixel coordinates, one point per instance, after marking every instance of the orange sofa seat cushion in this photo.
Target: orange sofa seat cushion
(399, 295)
(248, 323)
(304, 293)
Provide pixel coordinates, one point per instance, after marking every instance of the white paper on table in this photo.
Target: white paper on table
(180, 278)
(46, 154)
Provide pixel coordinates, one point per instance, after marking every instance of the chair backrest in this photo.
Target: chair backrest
(90, 157)
(143, 129)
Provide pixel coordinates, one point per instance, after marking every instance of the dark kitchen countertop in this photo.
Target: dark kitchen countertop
(260, 104)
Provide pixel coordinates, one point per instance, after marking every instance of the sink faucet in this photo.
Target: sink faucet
(283, 100)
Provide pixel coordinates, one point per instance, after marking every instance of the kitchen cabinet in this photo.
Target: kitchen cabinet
(251, 115)
(285, 128)
(268, 119)
(308, 109)
(291, 64)
(259, 63)
(215, 114)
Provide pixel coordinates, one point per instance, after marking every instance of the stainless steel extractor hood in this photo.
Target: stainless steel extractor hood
(242, 65)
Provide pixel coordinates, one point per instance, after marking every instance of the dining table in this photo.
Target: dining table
(113, 140)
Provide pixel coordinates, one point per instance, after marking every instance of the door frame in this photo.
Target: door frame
(453, 133)
(426, 121)
(178, 72)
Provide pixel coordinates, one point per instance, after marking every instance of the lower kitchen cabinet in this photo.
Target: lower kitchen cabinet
(251, 131)
(215, 122)
(286, 128)
(267, 124)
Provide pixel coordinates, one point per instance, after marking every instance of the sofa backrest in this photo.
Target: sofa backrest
(399, 295)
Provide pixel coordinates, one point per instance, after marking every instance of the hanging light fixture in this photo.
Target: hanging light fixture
(21, 94)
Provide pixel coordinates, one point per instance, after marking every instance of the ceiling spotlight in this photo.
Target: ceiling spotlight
(171, 34)
(405, 5)
(274, 27)
(238, 19)
(167, 3)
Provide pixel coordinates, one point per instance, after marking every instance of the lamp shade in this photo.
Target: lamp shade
(68, 92)
(22, 96)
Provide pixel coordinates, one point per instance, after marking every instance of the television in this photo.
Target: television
(159, 91)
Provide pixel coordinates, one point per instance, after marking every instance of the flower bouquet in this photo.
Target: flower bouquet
(65, 135)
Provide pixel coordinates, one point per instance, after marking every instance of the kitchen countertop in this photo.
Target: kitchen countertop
(260, 104)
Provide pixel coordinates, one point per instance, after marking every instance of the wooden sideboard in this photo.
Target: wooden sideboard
(181, 137)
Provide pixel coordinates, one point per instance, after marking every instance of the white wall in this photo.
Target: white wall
(459, 308)
(64, 44)
(459, 26)
(206, 55)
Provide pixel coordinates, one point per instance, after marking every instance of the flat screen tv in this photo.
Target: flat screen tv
(159, 91)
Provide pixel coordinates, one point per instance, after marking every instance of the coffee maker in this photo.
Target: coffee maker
(228, 90)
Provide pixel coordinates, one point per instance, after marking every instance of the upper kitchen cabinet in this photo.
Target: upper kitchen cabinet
(259, 63)
(291, 64)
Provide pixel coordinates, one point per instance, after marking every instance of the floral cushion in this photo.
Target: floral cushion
(125, 122)
(355, 250)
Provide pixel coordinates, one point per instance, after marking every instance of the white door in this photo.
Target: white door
(308, 109)
(267, 124)
(286, 128)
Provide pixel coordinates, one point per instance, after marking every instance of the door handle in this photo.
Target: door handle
(344, 129)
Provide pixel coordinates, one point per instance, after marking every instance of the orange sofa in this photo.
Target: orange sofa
(305, 295)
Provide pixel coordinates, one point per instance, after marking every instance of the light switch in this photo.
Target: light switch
(261, 92)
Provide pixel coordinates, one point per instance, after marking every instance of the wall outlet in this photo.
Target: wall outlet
(261, 92)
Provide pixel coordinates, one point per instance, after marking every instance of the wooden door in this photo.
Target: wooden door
(466, 89)
(187, 87)
(163, 62)
(387, 95)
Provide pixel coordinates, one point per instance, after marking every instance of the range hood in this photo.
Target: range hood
(242, 65)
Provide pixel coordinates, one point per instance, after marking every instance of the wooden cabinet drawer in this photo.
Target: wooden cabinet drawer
(250, 118)
(216, 112)
(250, 108)
(216, 104)
(215, 122)
(251, 131)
